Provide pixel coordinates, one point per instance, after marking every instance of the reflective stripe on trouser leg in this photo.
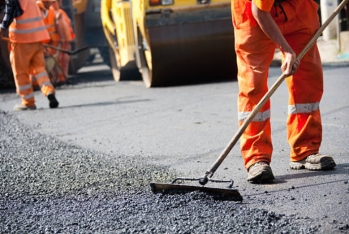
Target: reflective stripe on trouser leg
(20, 57)
(38, 67)
(254, 55)
(44, 82)
(304, 127)
(255, 142)
(33, 79)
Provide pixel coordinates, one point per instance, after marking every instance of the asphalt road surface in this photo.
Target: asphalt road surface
(86, 166)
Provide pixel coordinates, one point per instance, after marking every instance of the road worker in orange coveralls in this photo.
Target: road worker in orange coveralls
(260, 26)
(66, 37)
(26, 31)
(60, 33)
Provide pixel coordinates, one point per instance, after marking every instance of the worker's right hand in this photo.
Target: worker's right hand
(290, 64)
(46, 51)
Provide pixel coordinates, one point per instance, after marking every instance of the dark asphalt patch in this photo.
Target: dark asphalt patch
(48, 186)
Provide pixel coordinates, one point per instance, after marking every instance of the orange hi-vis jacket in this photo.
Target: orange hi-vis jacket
(64, 22)
(26, 34)
(28, 27)
(298, 22)
(49, 17)
(68, 30)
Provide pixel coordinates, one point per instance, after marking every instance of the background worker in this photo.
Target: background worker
(66, 37)
(260, 26)
(26, 32)
(49, 17)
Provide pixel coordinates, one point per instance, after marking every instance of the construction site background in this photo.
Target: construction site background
(333, 44)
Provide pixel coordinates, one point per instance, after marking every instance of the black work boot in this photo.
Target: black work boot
(52, 100)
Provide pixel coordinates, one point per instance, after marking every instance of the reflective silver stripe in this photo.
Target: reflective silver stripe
(27, 31)
(29, 96)
(260, 116)
(41, 74)
(24, 21)
(303, 108)
(24, 87)
(47, 83)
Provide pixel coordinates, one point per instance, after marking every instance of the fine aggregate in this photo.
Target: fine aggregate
(49, 186)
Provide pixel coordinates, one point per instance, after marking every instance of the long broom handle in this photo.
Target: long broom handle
(53, 47)
(266, 97)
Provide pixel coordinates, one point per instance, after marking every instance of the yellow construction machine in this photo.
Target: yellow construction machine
(170, 42)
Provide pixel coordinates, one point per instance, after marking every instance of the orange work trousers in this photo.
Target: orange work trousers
(298, 21)
(26, 57)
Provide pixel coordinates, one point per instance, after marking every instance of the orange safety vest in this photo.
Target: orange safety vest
(48, 15)
(69, 32)
(29, 27)
(64, 23)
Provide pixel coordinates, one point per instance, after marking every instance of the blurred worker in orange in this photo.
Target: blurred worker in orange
(49, 16)
(66, 37)
(61, 36)
(26, 32)
(260, 26)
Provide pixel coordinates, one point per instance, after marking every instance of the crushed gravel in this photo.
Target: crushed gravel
(49, 186)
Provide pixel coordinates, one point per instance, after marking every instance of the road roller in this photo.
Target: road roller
(170, 42)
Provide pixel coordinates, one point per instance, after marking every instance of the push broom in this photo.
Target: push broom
(229, 193)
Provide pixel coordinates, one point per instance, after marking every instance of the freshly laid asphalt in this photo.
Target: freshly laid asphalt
(86, 166)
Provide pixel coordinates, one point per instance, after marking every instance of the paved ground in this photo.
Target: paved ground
(180, 129)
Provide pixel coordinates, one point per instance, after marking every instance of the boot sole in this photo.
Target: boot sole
(327, 164)
(263, 176)
(23, 108)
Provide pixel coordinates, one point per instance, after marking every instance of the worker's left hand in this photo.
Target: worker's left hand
(290, 64)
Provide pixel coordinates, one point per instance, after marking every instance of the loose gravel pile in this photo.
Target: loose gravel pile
(48, 186)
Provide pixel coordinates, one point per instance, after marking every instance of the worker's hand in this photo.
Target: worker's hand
(46, 51)
(269, 27)
(290, 64)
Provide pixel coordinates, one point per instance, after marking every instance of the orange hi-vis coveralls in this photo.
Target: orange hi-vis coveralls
(26, 34)
(58, 25)
(298, 21)
(49, 17)
(66, 35)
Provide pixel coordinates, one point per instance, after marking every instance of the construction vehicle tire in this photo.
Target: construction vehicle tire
(114, 65)
(144, 68)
